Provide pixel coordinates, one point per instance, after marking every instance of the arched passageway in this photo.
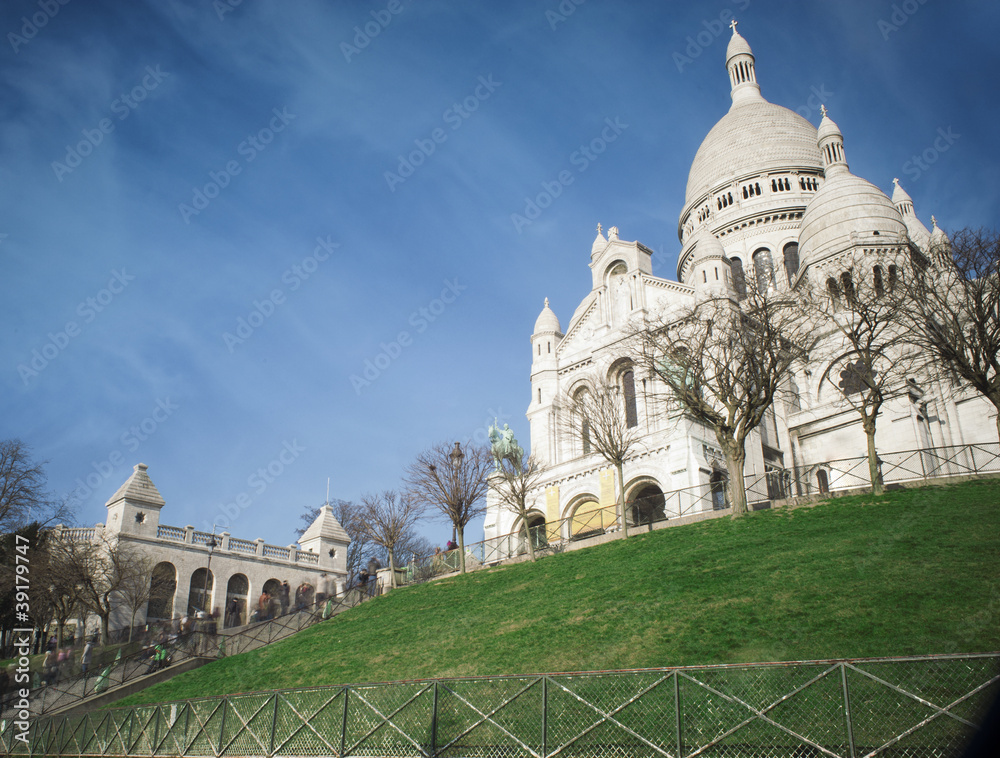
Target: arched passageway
(162, 588)
(647, 505)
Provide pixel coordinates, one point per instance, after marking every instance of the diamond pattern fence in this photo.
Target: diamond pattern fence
(72, 690)
(914, 707)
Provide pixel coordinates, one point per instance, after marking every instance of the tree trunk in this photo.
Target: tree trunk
(873, 472)
(461, 548)
(527, 534)
(735, 458)
(621, 499)
(105, 634)
(392, 570)
(998, 424)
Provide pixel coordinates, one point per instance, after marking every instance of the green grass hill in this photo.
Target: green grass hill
(912, 572)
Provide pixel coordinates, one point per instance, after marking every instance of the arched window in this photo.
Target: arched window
(739, 281)
(763, 269)
(877, 280)
(791, 256)
(834, 289)
(892, 277)
(628, 394)
(848, 285)
(823, 480)
(581, 399)
(718, 486)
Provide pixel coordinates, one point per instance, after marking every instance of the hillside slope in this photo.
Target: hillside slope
(913, 572)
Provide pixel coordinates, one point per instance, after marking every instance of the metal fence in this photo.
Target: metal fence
(914, 707)
(763, 489)
(197, 644)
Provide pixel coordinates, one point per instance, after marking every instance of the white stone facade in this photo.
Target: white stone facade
(239, 568)
(769, 196)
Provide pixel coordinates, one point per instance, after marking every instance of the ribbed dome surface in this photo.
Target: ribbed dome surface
(754, 136)
(844, 205)
(547, 321)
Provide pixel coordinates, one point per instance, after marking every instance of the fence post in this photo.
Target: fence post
(677, 713)
(545, 716)
(274, 724)
(847, 708)
(343, 727)
(222, 726)
(434, 721)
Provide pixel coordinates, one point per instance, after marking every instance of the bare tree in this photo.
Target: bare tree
(598, 417)
(723, 362)
(513, 482)
(137, 586)
(956, 314)
(22, 488)
(862, 314)
(101, 568)
(387, 519)
(452, 481)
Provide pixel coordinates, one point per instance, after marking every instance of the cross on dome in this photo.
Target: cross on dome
(822, 109)
(732, 25)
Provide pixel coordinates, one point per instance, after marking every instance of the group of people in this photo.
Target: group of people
(271, 606)
(58, 663)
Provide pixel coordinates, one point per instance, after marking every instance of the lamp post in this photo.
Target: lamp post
(208, 570)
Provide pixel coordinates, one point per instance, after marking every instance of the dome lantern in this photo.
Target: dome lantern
(740, 65)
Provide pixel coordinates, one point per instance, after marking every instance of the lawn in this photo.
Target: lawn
(912, 572)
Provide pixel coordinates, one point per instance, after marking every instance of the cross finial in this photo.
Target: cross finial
(822, 109)
(934, 221)
(732, 25)
(546, 302)
(895, 180)
(598, 228)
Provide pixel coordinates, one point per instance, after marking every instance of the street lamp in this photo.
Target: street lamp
(208, 570)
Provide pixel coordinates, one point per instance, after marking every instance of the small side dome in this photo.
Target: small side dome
(707, 246)
(599, 244)
(844, 210)
(938, 238)
(547, 321)
(827, 128)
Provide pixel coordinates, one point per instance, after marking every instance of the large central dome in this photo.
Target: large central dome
(755, 136)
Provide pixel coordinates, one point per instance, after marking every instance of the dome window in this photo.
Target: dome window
(739, 281)
(763, 269)
(848, 285)
(877, 280)
(791, 256)
(834, 289)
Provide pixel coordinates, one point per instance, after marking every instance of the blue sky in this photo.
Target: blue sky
(217, 216)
